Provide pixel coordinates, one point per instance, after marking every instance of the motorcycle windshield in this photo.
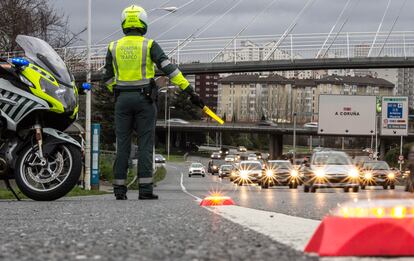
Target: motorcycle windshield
(45, 56)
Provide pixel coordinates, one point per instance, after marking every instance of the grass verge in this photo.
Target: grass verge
(75, 192)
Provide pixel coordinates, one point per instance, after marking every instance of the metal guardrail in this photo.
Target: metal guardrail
(257, 47)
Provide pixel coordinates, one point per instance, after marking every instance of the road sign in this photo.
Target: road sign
(96, 132)
(394, 121)
(347, 115)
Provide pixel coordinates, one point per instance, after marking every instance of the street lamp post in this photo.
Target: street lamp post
(87, 177)
(165, 90)
(294, 136)
(169, 127)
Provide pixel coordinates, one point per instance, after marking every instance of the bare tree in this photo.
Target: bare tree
(36, 18)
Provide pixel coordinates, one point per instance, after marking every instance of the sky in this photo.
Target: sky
(275, 16)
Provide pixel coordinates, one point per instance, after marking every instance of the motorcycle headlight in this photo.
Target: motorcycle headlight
(294, 173)
(269, 173)
(214, 167)
(320, 173)
(244, 174)
(368, 175)
(391, 175)
(353, 173)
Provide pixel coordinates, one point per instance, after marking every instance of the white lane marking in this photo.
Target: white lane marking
(185, 190)
(292, 231)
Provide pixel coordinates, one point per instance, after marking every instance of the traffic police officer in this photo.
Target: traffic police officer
(129, 72)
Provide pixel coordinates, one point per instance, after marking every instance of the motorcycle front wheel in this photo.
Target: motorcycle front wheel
(51, 178)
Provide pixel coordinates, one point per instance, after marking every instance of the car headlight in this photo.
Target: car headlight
(294, 173)
(368, 175)
(269, 173)
(233, 173)
(391, 175)
(353, 173)
(244, 174)
(320, 173)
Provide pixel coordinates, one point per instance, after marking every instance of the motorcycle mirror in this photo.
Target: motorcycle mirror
(19, 62)
(86, 86)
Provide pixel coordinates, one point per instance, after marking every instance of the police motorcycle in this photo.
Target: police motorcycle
(38, 100)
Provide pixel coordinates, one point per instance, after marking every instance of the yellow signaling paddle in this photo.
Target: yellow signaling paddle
(210, 113)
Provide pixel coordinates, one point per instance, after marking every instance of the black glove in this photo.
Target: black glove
(194, 98)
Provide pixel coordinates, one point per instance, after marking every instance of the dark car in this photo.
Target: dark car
(331, 169)
(281, 173)
(377, 173)
(225, 170)
(224, 152)
(214, 165)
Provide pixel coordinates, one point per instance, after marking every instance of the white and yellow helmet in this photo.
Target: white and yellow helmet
(134, 17)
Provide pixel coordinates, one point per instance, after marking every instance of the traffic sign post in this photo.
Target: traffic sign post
(96, 132)
(394, 121)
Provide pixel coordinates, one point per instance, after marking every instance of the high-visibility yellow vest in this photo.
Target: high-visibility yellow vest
(131, 60)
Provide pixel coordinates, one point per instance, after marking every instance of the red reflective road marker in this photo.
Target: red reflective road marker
(382, 227)
(338, 236)
(216, 201)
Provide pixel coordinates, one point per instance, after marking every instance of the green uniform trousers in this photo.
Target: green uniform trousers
(134, 111)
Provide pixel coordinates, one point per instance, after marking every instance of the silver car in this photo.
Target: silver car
(331, 169)
(249, 171)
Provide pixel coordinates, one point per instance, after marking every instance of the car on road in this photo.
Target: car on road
(252, 156)
(159, 159)
(225, 170)
(331, 169)
(215, 155)
(224, 152)
(214, 165)
(248, 172)
(177, 121)
(359, 160)
(281, 173)
(311, 125)
(242, 149)
(230, 158)
(377, 173)
(196, 169)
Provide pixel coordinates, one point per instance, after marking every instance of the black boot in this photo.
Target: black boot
(120, 192)
(148, 196)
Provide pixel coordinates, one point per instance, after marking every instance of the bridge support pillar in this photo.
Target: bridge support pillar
(275, 146)
(382, 148)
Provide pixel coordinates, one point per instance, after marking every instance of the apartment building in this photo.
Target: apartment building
(206, 85)
(248, 97)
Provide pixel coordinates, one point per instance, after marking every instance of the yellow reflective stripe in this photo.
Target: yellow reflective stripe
(180, 81)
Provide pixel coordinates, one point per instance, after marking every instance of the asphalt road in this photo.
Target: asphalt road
(100, 228)
(280, 199)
